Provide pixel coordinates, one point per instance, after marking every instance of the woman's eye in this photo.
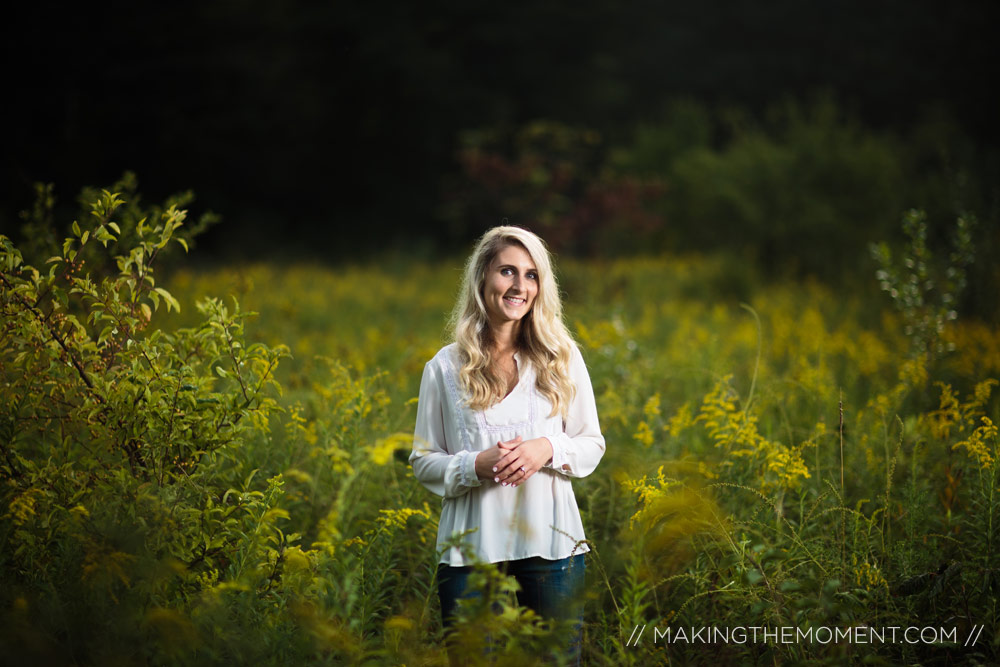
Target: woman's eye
(506, 271)
(532, 275)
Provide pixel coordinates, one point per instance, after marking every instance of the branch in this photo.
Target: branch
(55, 336)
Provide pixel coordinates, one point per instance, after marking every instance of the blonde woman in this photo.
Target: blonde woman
(506, 418)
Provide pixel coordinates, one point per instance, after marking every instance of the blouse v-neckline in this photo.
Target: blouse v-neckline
(517, 370)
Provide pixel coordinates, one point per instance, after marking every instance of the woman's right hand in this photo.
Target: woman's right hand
(487, 459)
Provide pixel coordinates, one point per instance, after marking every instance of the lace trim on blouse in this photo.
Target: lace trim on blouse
(451, 379)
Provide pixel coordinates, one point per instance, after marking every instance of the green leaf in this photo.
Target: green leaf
(790, 586)
(76, 228)
(169, 298)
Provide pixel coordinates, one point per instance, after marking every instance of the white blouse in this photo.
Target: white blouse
(538, 518)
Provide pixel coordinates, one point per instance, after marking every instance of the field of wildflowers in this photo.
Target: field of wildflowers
(779, 455)
(779, 461)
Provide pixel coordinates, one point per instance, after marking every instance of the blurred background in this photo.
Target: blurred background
(790, 133)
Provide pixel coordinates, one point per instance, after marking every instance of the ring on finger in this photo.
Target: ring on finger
(522, 468)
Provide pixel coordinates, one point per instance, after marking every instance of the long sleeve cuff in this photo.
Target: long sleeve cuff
(558, 453)
(576, 457)
(467, 468)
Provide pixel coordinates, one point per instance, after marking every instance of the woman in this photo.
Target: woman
(506, 417)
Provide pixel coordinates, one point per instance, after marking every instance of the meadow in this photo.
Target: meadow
(186, 483)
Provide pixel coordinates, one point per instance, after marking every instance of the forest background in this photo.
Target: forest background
(775, 226)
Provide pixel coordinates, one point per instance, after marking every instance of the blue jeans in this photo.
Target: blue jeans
(553, 589)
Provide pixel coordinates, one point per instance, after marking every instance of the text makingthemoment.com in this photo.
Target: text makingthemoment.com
(861, 634)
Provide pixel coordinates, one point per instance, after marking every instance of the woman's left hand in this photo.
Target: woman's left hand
(522, 460)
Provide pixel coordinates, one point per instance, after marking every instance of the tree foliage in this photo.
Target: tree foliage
(120, 459)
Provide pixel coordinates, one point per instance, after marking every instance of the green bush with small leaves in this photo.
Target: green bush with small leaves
(122, 472)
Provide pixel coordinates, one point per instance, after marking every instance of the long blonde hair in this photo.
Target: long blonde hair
(543, 337)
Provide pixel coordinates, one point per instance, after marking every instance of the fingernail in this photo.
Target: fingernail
(494, 469)
(496, 479)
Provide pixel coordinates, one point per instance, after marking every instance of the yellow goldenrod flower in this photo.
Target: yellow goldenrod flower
(982, 444)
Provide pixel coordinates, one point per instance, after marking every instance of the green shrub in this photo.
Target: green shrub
(806, 189)
(126, 511)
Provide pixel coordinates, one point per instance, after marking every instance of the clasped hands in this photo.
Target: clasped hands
(511, 463)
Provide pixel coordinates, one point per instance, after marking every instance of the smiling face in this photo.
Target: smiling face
(511, 286)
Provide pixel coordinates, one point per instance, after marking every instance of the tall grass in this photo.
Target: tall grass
(782, 462)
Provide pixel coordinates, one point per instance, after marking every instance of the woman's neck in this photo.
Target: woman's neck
(505, 339)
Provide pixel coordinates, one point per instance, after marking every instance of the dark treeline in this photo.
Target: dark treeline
(333, 127)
